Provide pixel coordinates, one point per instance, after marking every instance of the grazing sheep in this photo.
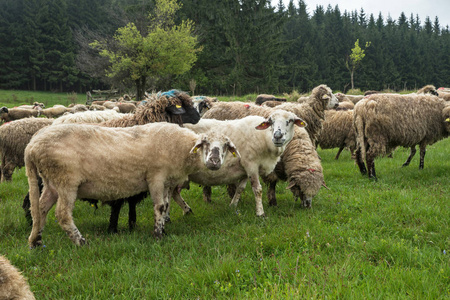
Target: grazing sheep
(338, 131)
(36, 105)
(96, 107)
(126, 108)
(12, 283)
(300, 158)
(353, 98)
(431, 89)
(345, 105)
(154, 157)
(11, 114)
(386, 121)
(260, 99)
(14, 137)
(259, 148)
(271, 103)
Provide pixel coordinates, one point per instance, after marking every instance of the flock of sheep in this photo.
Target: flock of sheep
(161, 144)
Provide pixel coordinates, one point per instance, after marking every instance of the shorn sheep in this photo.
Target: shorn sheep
(338, 131)
(386, 121)
(260, 141)
(12, 283)
(155, 157)
(14, 137)
(299, 165)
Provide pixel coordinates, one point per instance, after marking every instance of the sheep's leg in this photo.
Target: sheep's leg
(26, 205)
(271, 195)
(7, 171)
(160, 207)
(176, 195)
(339, 152)
(63, 211)
(360, 162)
(231, 190)
(207, 194)
(371, 168)
(257, 191)
(410, 157)
(116, 206)
(240, 188)
(423, 150)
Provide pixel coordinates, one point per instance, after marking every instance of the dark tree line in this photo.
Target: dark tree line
(249, 46)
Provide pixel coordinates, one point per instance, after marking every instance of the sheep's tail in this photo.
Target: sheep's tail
(33, 185)
(358, 122)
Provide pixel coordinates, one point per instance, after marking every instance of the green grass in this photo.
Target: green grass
(388, 239)
(11, 98)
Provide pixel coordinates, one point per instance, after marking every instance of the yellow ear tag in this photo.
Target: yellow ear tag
(195, 150)
(178, 106)
(447, 120)
(234, 153)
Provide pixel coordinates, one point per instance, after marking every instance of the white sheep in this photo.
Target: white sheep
(12, 283)
(386, 121)
(88, 161)
(90, 116)
(260, 149)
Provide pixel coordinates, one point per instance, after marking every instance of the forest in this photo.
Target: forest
(248, 46)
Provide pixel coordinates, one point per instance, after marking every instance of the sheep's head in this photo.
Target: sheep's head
(324, 94)
(446, 117)
(428, 89)
(214, 149)
(180, 107)
(282, 124)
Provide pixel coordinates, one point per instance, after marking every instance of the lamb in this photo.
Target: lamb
(385, 121)
(260, 150)
(154, 157)
(12, 283)
(260, 99)
(299, 165)
(11, 114)
(14, 137)
(338, 131)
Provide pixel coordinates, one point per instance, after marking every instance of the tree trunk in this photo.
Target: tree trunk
(140, 87)
(351, 76)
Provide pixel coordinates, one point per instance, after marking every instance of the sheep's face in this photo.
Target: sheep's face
(187, 113)
(446, 117)
(214, 149)
(282, 124)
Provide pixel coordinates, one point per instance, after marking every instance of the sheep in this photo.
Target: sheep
(313, 111)
(260, 99)
(96, 107)
(386, 121)
(172, 106)
(14, 137)
(36, 105)
(154, 157)
(11, 114)
(89, 117)
(299, 164)
(126, 108)
(345, 105)
(338, 131)
(446, 117)
(353, 98)
(431, 89)
(55, 111)
(260, 150)
(271, 103)
(202, 103)
(12, 283)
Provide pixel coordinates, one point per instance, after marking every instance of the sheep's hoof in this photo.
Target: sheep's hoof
(167, 219)
(159, 233)
(263, 216)
(36, 243)
(273, 202)
(306, 203)
(81, 242)
(188, 212)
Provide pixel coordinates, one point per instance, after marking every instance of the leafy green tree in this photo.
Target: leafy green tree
(167, 49)
(355, 59)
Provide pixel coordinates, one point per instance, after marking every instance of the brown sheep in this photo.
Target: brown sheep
(11, 114)
(386, 121)
(260, 99)
(12, 283)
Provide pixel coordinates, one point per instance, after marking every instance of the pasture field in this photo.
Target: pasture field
(11, 98)
(362, 239)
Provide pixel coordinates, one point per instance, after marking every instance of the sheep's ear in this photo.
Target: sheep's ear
(175, 109)
(299, 122)
(232, 149)
(198, 144)
(290, 185)
(263, 125)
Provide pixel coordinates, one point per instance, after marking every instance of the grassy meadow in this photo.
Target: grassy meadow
(361, 239)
